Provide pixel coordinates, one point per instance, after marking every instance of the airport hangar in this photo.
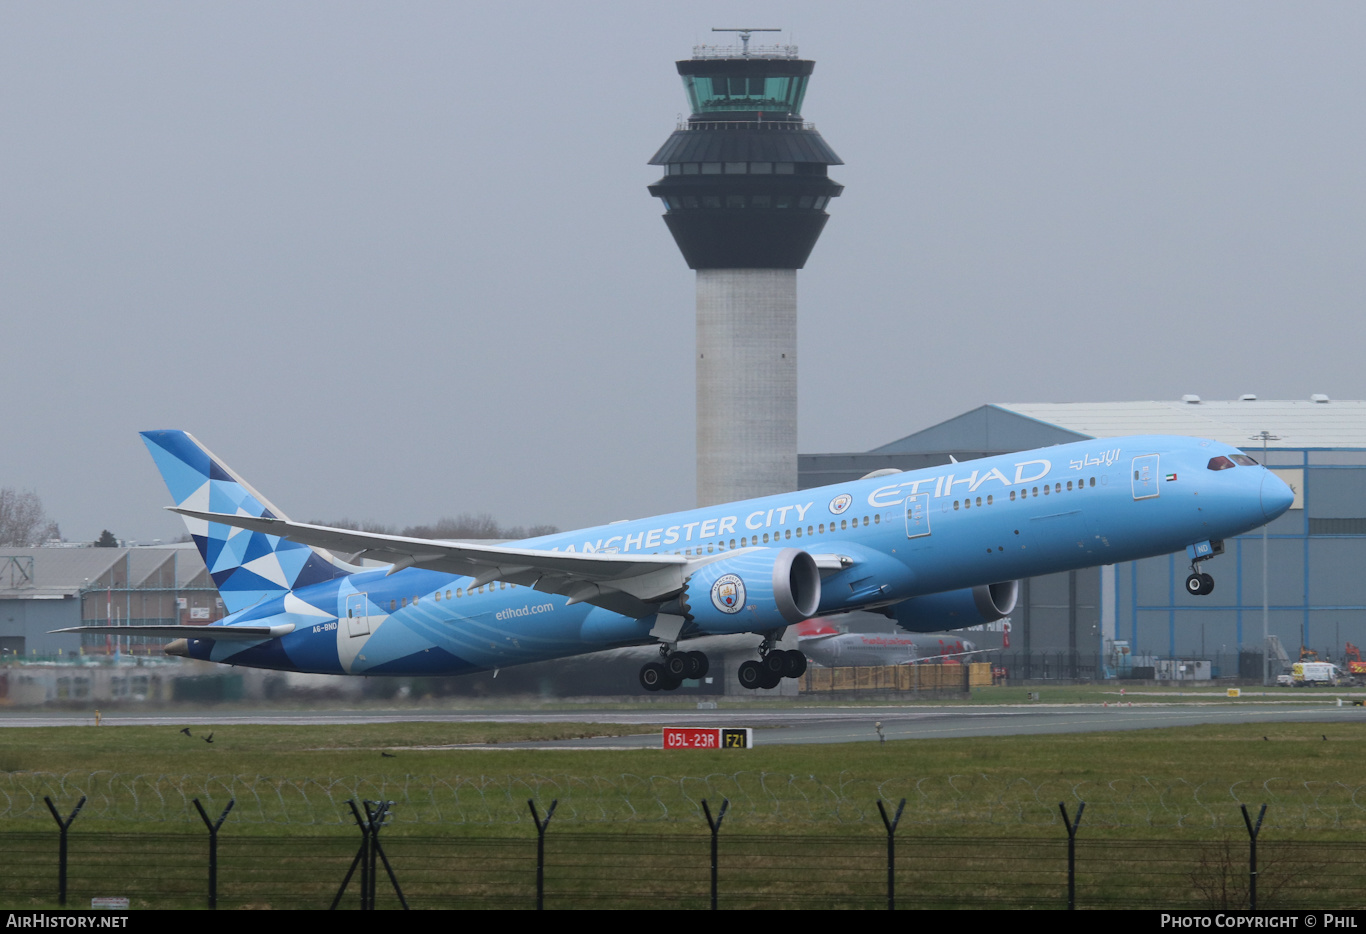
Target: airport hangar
(45, 588)
(1316, 585)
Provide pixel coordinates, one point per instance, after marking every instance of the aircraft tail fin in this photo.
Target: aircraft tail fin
(816, 626)
(246, 567)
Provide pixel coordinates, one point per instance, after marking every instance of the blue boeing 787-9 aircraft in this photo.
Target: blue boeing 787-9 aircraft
(934, 549)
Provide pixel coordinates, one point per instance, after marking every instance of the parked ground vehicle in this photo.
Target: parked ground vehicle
(1310, 673)
(1355, 666)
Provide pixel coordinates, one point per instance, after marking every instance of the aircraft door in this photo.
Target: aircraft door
(357, 615)
(1145, 476)
(918, 515)
(354, 629)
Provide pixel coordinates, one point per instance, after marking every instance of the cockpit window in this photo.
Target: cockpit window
(1220, 463)
(1244, 460)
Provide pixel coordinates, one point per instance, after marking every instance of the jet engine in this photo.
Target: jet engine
(956, 609)
(767, 588)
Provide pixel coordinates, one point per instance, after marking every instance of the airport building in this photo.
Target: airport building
(42, 589)
(1085, 623)
(745, 189)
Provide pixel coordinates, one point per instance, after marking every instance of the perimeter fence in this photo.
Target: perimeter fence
(673, 871)
(758, 798)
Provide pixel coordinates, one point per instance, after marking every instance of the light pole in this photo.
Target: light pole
(1264, 436)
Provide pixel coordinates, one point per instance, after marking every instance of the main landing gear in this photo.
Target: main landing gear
(672, 669)
(772, 667)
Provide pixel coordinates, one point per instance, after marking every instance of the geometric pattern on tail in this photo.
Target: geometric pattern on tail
(246, 567)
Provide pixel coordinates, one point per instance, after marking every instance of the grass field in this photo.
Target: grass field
(981, 827)
(291, 775)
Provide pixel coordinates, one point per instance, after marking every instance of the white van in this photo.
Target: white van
(1306, 673)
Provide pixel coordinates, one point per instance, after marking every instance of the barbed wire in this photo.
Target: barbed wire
(758, 797)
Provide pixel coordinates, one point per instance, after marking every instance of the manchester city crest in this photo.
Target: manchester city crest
(728, 594)
(840, 503)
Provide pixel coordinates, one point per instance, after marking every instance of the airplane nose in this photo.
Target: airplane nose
(1276, 496)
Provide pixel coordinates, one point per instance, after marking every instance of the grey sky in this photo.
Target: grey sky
(394, 261)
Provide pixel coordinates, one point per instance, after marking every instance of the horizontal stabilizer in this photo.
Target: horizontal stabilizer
(216, 633)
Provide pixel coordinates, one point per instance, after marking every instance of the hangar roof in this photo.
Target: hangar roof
(54, 573)
(1298, 423)
(1016, 426)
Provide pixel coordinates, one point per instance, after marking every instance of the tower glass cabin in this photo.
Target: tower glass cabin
(745, 183)
(745, 189)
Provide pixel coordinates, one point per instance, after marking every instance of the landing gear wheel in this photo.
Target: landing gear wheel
(652, 676)
(697, 665)
(775, 663)
(677, 665)
(1199, 585)
(670, 684)
(771, 679)
(796, 664)
(751, 675)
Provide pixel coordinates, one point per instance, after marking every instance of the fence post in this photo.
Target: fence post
(360, 860)
(891, 849)
(213, 846)
(715, 826)
(377, 819)
(63, 826)
(1071, 853)
(540, 848)
(365, 857)
(1252, 833)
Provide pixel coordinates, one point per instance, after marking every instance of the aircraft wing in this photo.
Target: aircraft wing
(632, 585)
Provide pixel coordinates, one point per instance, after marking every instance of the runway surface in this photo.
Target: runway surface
(795, 725)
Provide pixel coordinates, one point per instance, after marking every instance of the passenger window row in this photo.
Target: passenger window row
(784, 535)
(711, 548)
(459, 592)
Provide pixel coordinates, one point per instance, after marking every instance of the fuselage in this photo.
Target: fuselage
(848, 650)
(899, 536)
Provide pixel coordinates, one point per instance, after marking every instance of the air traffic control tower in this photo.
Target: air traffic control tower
(745, 191)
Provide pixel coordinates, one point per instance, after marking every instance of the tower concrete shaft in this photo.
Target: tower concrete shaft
(746, 383)
(745, 192)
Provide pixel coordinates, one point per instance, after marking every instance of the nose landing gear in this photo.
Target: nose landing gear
(1199, 585)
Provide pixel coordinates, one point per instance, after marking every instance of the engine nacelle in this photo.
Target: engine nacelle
(767, 588)
(956, 609)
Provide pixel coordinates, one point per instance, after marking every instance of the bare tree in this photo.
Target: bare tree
(1220, 877)
(22, 519)
(465, 525)
(482, 525)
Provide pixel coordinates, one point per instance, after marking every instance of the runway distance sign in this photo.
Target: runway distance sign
(693, 737)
